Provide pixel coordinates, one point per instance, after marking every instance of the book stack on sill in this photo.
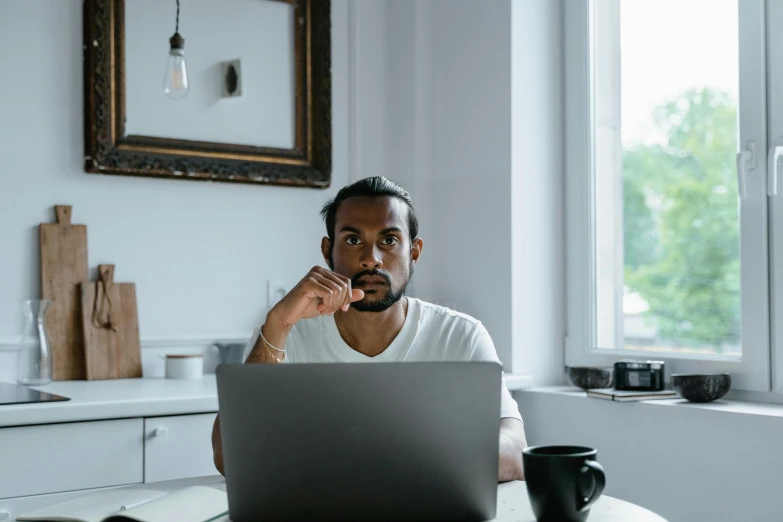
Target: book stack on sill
(611, 394)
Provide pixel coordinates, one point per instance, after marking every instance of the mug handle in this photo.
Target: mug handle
(597, 471)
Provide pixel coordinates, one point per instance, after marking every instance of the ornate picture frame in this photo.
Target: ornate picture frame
(109, 150)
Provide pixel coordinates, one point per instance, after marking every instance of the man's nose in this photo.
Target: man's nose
(371, 258)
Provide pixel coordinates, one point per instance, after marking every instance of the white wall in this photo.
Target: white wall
(538, 189)
(686, 463)
(260, 34)
(369, 88)
(199, 253)
(470, 183)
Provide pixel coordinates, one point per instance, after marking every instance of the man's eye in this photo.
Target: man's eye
(391, 240)
(352, 240)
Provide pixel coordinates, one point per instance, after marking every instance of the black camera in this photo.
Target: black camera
(638, 375)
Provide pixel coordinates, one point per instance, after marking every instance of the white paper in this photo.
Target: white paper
(92, 507)
(193, 504)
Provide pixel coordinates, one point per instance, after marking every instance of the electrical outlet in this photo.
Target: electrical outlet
(275, 291)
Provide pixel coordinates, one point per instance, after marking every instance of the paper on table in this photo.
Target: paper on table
(92, 507)
(193, 504)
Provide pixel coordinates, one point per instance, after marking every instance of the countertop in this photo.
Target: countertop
(127, 398)
(116, 399)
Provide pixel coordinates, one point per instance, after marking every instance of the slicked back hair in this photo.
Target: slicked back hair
(374, 187)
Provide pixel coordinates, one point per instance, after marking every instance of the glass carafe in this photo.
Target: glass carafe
(34, 359)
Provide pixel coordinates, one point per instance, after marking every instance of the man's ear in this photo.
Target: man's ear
(326, 251)
(416, 249)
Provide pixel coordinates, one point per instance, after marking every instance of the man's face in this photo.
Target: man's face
(372, 247)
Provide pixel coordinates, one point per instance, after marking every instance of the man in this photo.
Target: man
(356, 311)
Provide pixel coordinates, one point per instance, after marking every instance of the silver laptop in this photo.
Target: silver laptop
(343, 441)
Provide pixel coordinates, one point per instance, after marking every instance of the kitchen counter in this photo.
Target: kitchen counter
(116, 399)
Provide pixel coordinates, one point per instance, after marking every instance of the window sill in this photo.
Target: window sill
(518, 381)
(724, 405)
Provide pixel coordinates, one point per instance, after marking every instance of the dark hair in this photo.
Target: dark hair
(375, 187)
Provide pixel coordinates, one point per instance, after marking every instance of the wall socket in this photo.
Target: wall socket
(275, 291)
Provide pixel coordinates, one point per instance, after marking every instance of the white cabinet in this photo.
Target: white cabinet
(178, 447)
(65, 457)
(110, 433)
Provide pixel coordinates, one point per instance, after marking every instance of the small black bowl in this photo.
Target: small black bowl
(701, 387)
(590, 377)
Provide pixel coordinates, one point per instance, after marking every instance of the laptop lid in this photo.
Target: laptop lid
(364, 441)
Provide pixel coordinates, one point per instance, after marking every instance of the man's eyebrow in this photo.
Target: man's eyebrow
(391, 229)
(355, 230)
(351, 229)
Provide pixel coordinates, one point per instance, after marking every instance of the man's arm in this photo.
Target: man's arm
(320, 292)
(259, 354)
(217, 447)
(512, 442)
(512, 431)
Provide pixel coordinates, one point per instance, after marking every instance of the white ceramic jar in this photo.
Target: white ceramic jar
(184, 366)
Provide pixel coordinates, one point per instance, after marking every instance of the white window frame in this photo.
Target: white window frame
(775, 138)
(753, 370)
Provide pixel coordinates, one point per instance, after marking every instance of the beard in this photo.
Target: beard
(384, 303)
(391, 297)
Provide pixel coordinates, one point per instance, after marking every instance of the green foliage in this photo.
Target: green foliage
(681, 224)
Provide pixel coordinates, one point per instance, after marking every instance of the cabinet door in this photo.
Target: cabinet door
(178, 447)
(51, 458)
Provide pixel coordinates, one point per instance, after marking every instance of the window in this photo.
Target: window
(668, 250)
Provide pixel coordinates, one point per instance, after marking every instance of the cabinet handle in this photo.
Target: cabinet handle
(159, 432)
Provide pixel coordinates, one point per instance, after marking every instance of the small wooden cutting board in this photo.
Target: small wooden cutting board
(111, 327)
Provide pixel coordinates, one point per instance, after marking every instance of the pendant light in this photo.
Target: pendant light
(175, 83)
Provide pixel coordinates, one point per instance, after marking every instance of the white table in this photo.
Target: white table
(513, 504)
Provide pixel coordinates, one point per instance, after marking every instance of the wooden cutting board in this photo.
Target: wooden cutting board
(111, 327)
(63, 267)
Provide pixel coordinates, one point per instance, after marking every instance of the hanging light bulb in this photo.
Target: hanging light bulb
(175, 83)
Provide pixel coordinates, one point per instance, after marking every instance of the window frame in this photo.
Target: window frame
(774, 16)
(752, 371)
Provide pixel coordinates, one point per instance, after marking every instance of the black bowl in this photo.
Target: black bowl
(590, 377)
(701, 387)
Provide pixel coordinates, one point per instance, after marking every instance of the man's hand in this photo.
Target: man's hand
(217, 447)
(320, 292)
(512, 442)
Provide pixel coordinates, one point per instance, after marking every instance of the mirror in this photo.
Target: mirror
(257, 108)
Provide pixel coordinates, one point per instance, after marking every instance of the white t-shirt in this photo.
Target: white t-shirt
(430, 333)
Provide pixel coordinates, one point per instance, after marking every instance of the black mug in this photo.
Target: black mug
(562, 481)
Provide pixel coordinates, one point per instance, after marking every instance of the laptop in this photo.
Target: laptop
(358, 441)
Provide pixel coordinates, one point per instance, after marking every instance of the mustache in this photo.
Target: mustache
(370, 273)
